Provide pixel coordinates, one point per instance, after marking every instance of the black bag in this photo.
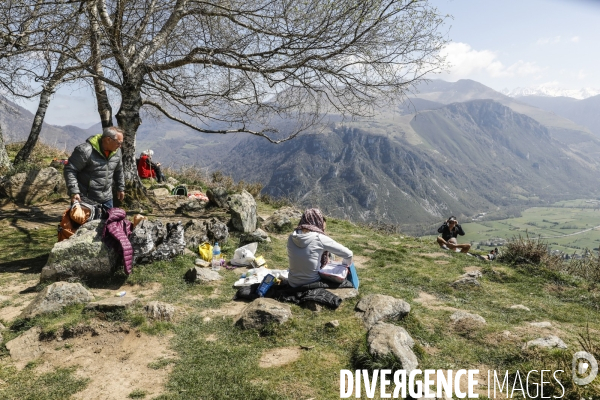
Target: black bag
(179, 191)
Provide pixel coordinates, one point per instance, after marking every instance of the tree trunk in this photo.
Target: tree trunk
(4, 160)
(104, 108)
(45, 97)
(128, 118)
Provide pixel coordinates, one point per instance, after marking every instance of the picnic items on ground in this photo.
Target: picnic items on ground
(265, 285)
(216, 257)
(243, 256)
(334, 271)
(256, 276)
(205, 250)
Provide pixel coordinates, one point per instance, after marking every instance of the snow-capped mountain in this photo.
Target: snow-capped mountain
(551, 90)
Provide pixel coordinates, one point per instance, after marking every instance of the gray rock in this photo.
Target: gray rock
(519, 307)
(217, 231)
(26, 347)
(160, 311)
(193, 206)
(344, 293)
(243, 212)
(283, 220)
(33, 186)
(474, 274)
(262, 312)
(201, 263)
(218, 196)
(202, 275)
(384, 339)
(113, 303)
(172, 181)
(257, 236)
(56, 296)
(378, 307)
(173, 244)
(160, 192)
(142, 241)
(459, 316)
(544, 324)
(550, 342)
(196, 233)
(465, 281)
(333, 324)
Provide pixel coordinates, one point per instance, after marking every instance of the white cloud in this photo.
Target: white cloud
(556, 39)
(581, 74)
(465, 61)
(575, 39)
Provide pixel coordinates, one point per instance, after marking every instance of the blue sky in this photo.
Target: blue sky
(502, 44)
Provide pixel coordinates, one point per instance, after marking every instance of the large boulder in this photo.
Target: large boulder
(196, 233)
(379, 307)
(218, 196)
(243, 212)
(82, 256)
(56, 296)
(258, 236)
(262, 312)
(283, 220)
(202, 275)
(153, 241)
(217, 231)
(32, 186)
(384, 339)
(172, 245)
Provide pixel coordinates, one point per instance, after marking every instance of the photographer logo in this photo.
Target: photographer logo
(585, 368)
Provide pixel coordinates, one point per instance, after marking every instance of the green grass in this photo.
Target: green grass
(217, 360)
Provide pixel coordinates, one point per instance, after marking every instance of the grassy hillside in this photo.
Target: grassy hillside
(215, 360)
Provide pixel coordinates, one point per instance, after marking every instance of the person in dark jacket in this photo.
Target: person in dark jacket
(449, 231)
(93, 167)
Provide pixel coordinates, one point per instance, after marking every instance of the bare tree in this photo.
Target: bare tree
(4, 160)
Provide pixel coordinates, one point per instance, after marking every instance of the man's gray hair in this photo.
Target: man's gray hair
(112, 132)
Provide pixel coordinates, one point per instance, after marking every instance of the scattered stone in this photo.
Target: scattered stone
(344, 293)
(56, 296)
(144, 238)
(333, 324)
(257, 236)
(113, 303)
(378, 307)
(172, 181)
(167, 186)
(262, 312)
(26, 347)
(520, 307)
(172, 245)
(544, 324)
(192, 206)
(384, 339)
(82, 256)
(160, 192)
(33, 186)
(283, 220)
(243, 212)
(196, 233)
(201, 263)
(218, 196)
(546, 342)
(217, 231)
(468, 279)
(506, 334)
(461, 316)
(202, 275)
(160, 311)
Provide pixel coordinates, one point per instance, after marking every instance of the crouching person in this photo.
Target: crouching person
(449, 232)
(309, 247)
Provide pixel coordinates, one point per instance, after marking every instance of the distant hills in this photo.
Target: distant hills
(550, 90)
(454, 148)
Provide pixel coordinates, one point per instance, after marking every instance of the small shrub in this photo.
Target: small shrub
(587, 267)
(137, 394)
(524, 250)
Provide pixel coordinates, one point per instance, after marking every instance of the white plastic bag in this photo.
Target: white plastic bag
(243, 256)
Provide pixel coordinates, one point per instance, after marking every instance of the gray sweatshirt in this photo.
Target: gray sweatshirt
(304, 253)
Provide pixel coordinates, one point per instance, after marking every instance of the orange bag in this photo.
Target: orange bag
(66, 227)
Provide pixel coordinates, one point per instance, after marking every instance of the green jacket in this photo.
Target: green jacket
(90, 173)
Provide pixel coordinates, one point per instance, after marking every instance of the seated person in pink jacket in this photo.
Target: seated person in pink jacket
(309, 247)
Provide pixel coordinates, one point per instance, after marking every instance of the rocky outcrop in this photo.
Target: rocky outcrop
(384, 339)
(159, 311)
(258, 236)
(218, 196)
(379, 307)
(153, 241)
(283, 220)
(243, 212)
(35, 185)
(262, 312)
(217, 230)
(56, 296)
(549, 342)
(82, 256)
(196, 233)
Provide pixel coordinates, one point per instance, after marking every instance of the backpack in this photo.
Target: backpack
(179, 191)
(67, 227)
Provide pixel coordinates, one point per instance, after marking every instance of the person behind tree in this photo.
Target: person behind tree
(309, 247)
(93, 166)
(449, 231)
(148, 169)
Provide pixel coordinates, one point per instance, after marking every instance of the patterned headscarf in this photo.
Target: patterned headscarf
(312, 220)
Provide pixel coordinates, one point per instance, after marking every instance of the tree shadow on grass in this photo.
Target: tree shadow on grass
(32, 265)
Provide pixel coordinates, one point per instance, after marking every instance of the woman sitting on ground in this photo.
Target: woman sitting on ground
(309, 247)
(148, 169)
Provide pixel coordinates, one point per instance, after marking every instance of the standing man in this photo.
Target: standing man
(93, 166)
(450, 230)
